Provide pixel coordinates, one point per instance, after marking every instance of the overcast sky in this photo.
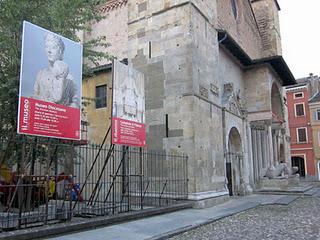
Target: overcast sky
(300, 32)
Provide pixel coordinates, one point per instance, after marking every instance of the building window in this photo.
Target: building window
(299, 108)
(234, 8)
(318, 114)
(298, 95)
(101, 96)
(301, 135)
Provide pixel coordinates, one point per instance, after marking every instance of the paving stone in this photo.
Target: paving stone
(286, 200)
(317, 194)
(311, 192)
(285, 217)
(298, 220)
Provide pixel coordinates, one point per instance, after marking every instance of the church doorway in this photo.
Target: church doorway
(229, 177)
(299, 162)
(234, 162)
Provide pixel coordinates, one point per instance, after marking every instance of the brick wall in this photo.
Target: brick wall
(243, 28)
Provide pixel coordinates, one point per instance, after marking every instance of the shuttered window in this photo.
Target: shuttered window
(298, 95)
(302, 135)
(101, 96)
(318, 114)
(299, 108)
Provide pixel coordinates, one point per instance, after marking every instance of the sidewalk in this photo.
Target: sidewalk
(166, 225)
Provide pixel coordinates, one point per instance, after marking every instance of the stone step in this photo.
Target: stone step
(311, 192)
(300, 190)
(317, 194)
(286, 200)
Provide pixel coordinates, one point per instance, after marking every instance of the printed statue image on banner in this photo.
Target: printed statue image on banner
(128, 108)
(50, 84)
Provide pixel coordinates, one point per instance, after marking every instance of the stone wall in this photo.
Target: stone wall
(258, 90)
(242, 28)
(231, 72)
(162, 51)
(266, 12)
(177, 49)
(113, 27)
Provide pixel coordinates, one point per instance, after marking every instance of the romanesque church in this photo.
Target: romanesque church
(214, 76)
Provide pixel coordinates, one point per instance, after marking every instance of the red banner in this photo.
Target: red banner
(48, 119)
(128, 133)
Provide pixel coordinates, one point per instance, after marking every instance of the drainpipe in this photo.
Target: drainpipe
(224, 38)
(224, 112)
(224, 132)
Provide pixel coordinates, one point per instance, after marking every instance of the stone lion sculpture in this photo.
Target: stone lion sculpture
(281, 171)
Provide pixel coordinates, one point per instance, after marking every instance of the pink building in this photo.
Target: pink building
(302, 153)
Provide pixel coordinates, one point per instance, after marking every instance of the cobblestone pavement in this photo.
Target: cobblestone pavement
(299, 220)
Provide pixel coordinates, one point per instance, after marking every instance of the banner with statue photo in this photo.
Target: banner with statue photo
(128, 107)
(50, 84)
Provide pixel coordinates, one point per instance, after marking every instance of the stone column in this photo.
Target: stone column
(270, 139)
(246, 158)
(255, 164)
(286, 145)
(274, 149)
(250, 154)
(264, 148)
(259, 155)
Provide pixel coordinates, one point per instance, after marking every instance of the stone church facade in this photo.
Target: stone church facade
(214, 77)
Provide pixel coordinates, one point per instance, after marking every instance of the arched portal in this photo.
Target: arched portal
(234, 141)
(234, 162)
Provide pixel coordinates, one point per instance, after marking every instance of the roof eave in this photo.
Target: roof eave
(277, 63)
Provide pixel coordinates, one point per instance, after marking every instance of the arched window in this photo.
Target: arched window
(234, 8)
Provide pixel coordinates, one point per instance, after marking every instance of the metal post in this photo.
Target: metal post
(20, 188)
(46, 199)
(70, 212)
(46, 183)
(141, 174)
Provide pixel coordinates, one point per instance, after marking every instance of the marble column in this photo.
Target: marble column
(250, 155)
(274, 143)
(259, 151)
(247, 158)
(270, 139)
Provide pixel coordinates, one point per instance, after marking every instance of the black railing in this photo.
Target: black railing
(52, 180)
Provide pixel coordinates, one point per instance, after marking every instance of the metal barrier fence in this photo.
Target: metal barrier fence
(45, 181)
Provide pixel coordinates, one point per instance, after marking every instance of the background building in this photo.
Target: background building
(314, 105)
(97, 96)
(97, 89)
(303, 100)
